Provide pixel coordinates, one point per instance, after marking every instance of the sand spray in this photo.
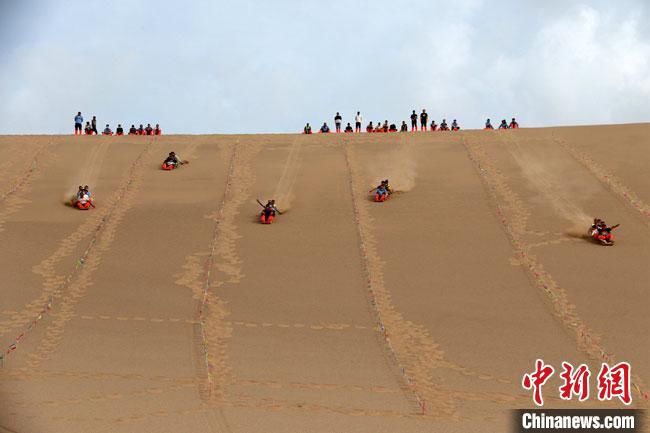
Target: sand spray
(398, 165)
(87, 173)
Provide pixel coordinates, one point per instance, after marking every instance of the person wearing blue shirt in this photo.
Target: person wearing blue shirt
(78, 123)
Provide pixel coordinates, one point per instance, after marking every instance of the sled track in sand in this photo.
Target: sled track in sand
(513, 215)
(10, 199)
(609, 181)
(410, 346)
(65, 291)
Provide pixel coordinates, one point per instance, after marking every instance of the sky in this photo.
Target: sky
(266, 66)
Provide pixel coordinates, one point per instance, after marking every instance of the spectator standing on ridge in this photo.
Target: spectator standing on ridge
(414, 121)
(423, 120)
(93, 125)
(337, 121)
(78, 123)
(357, 122)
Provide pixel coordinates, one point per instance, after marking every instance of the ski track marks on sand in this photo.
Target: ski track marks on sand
(12, 198)
(411, 347)
(513, 214)
(204, 273)
(608, 180)
(65, 291)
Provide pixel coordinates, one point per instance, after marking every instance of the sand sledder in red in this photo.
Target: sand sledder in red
(601, 232)
(269, 211)
(382, 192)
(173, 161)
(83, 199)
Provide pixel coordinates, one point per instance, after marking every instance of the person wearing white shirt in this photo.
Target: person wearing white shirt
(358, 119)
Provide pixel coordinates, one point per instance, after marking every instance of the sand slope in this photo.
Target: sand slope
(169, 308)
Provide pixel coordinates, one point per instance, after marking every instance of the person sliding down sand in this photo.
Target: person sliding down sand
(174, 160)
(383, 188)
(83, 197)
(269, 210)
(601, 232)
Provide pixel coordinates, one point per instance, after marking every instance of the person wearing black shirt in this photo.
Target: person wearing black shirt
(423, 120)
(337, 121)
(132, 130)
(404, 127)
(414, 121)
(348, 128)
(119, 130)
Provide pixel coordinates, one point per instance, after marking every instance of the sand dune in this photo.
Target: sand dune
(169, 308)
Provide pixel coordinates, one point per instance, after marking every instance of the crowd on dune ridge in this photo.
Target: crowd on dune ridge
(423, 118)
(91, 128)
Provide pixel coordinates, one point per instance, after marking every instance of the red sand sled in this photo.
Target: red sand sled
(381, 197)
(168, 167)
(82, 206)
(606, 239)
(265, 220)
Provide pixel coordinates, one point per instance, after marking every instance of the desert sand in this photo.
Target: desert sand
(169, 308)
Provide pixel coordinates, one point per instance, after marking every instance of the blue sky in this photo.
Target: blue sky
(254, 66)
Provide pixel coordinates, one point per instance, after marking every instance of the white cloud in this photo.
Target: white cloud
(254, 67)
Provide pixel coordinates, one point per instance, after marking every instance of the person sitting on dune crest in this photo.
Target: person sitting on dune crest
(404, 127)
(348, 128)
(324, 129)
(434, 126)
(307, 129)
(157, 130)
(88, 129)
(504, 124)
(443, 125)
(370, 128)
(392, 128)
(132, 130)
(454, 126)
(119, 130)
(107, 131)
(148, 130)
(513, 124)
(140, 130)
(488, 124)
